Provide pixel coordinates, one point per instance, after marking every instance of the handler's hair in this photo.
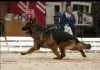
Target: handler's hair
(68, 7)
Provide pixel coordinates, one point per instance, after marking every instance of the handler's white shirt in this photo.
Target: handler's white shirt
(67, 27)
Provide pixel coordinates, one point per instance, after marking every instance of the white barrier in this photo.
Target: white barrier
(95, 42)
(24, 43)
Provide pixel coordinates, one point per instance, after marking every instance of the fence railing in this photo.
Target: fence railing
(24, 43)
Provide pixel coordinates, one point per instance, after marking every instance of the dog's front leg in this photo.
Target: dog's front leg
(32, 49)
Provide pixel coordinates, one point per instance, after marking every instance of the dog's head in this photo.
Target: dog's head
(28, 26)
(32, 27)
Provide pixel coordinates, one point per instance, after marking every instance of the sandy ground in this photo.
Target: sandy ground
(45, 61)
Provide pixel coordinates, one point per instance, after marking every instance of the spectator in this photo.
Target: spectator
(67, 21)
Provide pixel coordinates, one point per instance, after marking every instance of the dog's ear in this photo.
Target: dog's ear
(33, 21)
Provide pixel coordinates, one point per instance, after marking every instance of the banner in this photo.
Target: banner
(30, 13)
(21, 7)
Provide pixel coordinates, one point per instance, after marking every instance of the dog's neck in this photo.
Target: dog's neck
(38, 32)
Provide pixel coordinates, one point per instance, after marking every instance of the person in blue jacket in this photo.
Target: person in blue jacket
(68, 18)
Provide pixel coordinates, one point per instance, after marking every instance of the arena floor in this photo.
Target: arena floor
(44, 61)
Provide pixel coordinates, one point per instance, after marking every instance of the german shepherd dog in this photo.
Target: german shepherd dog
(53, 39)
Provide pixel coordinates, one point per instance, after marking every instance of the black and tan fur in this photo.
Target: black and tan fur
(53, 39)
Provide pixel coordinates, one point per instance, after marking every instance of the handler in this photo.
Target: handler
(67, 21)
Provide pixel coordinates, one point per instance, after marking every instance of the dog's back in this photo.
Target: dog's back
(61, 36)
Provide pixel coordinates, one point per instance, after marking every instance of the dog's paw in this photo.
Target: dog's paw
(84, 55)
(23, 53)
(55, 58)
(62, 56)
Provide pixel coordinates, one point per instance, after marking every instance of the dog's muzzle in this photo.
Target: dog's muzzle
(24, 29)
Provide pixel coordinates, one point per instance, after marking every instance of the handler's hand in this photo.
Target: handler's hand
(68, 17)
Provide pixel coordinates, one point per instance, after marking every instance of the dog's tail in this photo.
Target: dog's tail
(81, 45)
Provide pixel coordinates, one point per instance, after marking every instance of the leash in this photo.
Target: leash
(42, 35)
(95, 14)
(49, 29)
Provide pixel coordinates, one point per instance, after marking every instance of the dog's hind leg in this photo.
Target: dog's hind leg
(80, 49)
(66, 45)
(82, 52)
(55, 51)
(62, 50)
(48, 41)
